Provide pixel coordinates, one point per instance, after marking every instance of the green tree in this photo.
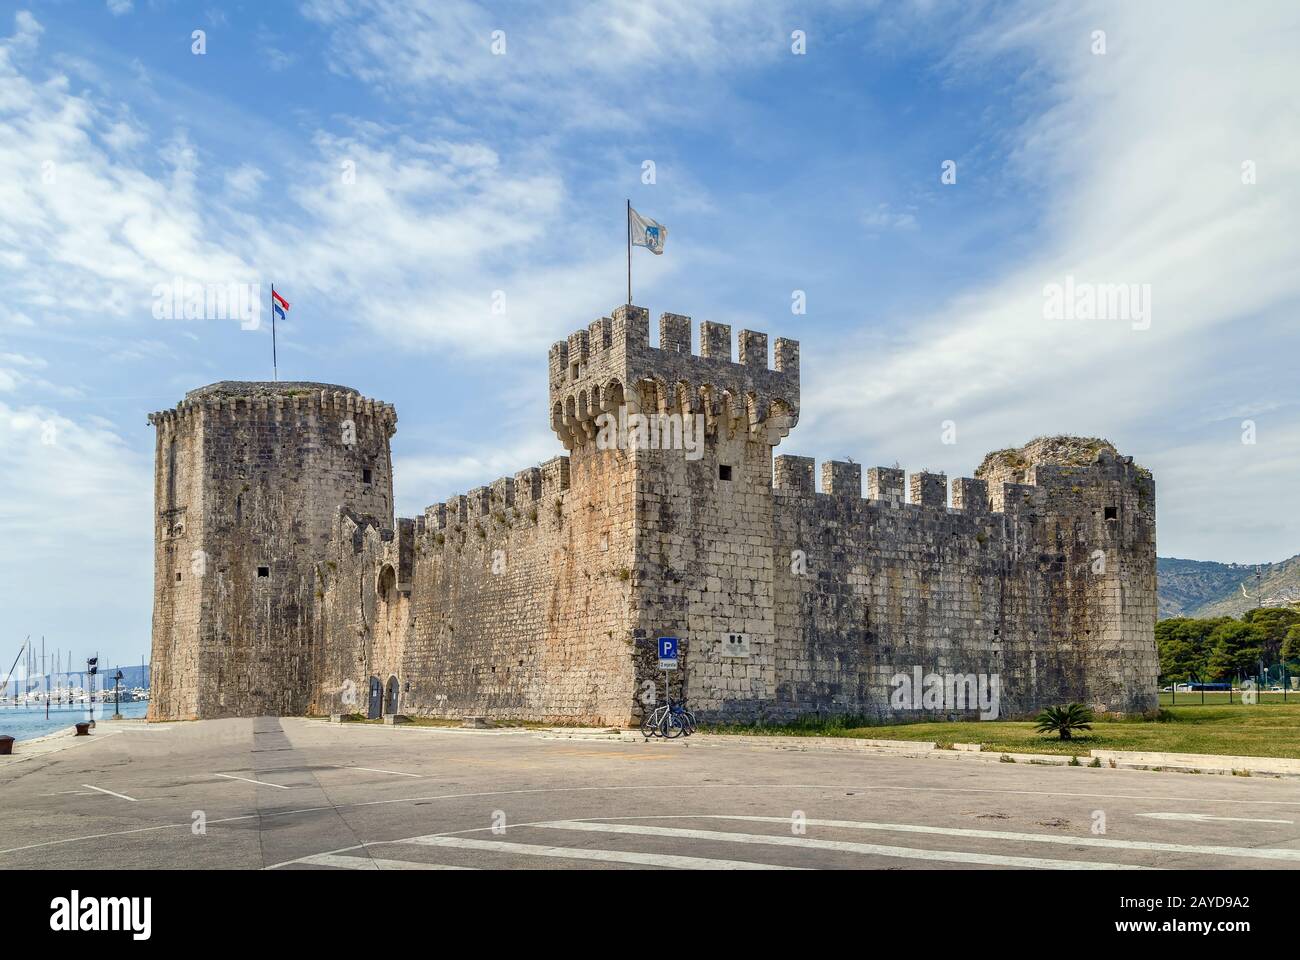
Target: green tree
(1235, 648)
(1291, 646)
(1273, 625)
(1184, 646)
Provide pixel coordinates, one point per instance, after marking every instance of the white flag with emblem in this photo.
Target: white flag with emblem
(647, 233)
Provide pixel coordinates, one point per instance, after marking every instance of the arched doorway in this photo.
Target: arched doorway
(390, 700)
(375, 705)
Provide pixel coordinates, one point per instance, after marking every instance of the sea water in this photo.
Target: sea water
(27, 722)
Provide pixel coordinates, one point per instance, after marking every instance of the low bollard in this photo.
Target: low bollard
(83, 729)
(6, 746)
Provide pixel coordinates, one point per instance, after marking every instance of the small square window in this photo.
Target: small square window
(1112, 513)
(724, 471)
(178, 578)
(365, 475)
(263, 571)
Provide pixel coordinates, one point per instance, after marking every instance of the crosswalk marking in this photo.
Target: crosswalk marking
(904, 853)
(580, 853)
(1258, 853)
(371, 863)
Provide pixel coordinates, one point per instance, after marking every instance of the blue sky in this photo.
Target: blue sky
(130, 160)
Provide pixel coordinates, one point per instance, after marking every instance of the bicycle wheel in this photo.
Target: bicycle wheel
(671, 726)
(650, 725)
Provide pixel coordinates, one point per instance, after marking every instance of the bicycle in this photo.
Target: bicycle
(669, 720)
(687, 718)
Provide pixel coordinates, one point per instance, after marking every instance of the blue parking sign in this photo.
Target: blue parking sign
(667, 648)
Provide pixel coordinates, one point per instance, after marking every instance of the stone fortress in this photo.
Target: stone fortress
(285, 585)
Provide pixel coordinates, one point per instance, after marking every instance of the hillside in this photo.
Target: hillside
(1203, 588)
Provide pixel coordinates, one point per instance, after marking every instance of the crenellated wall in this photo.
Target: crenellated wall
(517, 602)
(1034, 585)
(540, 595)
(261, 471)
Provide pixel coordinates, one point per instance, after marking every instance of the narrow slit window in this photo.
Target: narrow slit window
(365, 475)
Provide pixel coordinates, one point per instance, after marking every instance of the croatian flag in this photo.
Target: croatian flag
(278, 304)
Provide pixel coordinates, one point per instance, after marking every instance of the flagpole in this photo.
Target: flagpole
(275, 366)
(629, 252)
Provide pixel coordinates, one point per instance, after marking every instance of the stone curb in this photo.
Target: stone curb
(414, 727)
(1117, 759)
(1200, 763)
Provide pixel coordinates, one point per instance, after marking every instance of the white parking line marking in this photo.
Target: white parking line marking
(278, 786)
(120, 796)
(612, 856)
(396, 773)
(1198, 817)
(902, 853)
(631, 788)
(1258, 853)
(368, 863)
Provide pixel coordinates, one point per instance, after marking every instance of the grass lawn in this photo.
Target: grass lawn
(1262, 730)
(1216, 697)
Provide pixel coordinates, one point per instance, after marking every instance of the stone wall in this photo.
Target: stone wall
(1046, 594)
(540, 596)
(264, 468)
(518, 605)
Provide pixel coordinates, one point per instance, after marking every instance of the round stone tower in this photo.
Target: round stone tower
(248, 479)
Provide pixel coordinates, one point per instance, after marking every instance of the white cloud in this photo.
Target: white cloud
(245, 181)
(72, 502)
(435, 228)
(425, 480)
(86, 231)
(120, 8)
(447, 246)
(576, 63)
(885, 218)
(1140, 157)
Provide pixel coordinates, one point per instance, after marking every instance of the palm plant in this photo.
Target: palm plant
(1065, 720)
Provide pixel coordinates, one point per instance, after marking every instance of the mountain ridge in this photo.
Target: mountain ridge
(1206, 588)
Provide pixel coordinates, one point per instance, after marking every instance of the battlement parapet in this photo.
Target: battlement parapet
(528, 485)
(1068, 489)
(885, 483)
(502, 492)
(555, 476)
(842, 479)
(277, 400)
(795, 474)
(360, 531)
(928, 489)
(612, 364)
(480, 502)
(517, 493)
(970, 495)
